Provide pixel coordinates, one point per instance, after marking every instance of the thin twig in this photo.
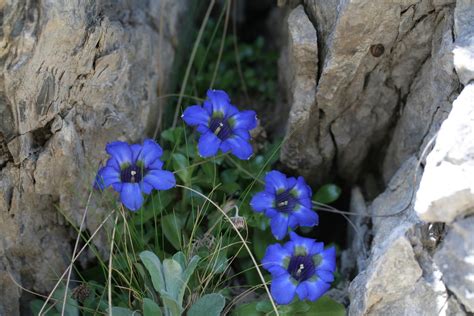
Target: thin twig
(109, 290)
(74, 252)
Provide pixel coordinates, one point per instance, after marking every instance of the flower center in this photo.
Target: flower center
(285, 202)
(221, 128)
(132, 174)
(301, 268)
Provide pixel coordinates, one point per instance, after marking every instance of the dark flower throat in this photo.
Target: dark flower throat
(221, 128)
(132, 174)
(301, 268)
(285, 202)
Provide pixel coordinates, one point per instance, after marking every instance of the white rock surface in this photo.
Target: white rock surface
(447, 187)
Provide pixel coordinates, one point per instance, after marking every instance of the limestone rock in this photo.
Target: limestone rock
(464, 32)
(76, 75)
(301, 68)
(455, 259)
(373, 52)
(447, 187)
(400, 277)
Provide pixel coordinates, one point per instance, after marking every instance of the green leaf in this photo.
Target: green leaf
(249, 309)
(188, 272)
(173, 278)
(173, 135)
(150, 308)
(153, 265)
(326, 306)
(172, 225)
(328, 193)
(122, 311)
(208, 305)
(71, 308)
(181, 258)
(182, 168)
(171, 304)
(261, 239)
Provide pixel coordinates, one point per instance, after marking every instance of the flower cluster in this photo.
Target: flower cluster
(134, 169)
(287, 202)
(300, 266)
(221, 125)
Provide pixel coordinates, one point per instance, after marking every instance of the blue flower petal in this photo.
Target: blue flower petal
(131, 196)
(328, 260)
(291, 182)
(151, 151)
(306, 202)
(275, 181)
(271, 212)
(244, 119)
(302, 291)
(155, 165)
(326, 276)
(117, 186)
(242, 133)
(261, 201)
(112, 162)
(107, 176)
(145, 187)
(120, 151)
(283, 289)
(160, 179)
(240, 147)
(203, 129)
(317, 248)
(196, 115)
(306, 243)
(136, 149)
(301, 189)
(315, 289)
(221, 103)
(303, 216)
(279, 225)
(208, 145)
(207, 105)
(274, 259)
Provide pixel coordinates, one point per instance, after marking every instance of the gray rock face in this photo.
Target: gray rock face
(400, 277)
(455, 259)
(372, 55)
(300, 61)
(75, 76)
(447, 188)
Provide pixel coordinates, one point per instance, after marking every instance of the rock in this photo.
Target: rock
(464, 45)
(301, 69)
(447, 187)
(455, 259)
(76, 76)
(429, 100)
(400, 277)
(373, 53)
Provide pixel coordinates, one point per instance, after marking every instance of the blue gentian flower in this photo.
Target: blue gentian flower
(222, 126)
(287, 202)
(300, 266)
(134, 169)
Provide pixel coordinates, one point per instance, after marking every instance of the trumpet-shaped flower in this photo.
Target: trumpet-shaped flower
(301, 266)
(221, 125)
(134, 169)
(286, 201)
